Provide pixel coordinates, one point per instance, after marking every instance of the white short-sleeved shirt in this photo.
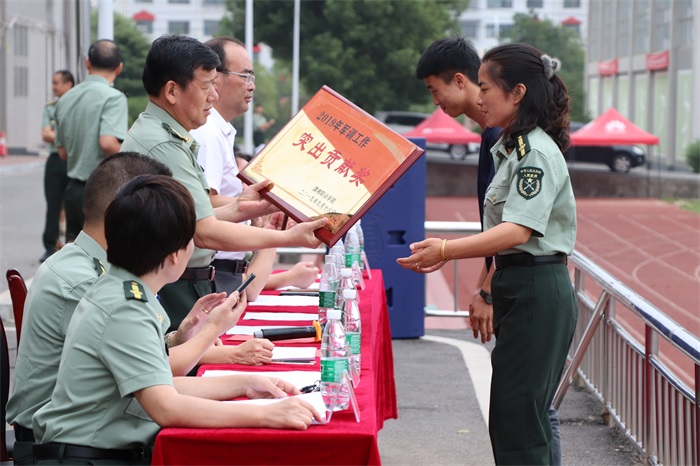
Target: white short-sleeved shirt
(215, 139)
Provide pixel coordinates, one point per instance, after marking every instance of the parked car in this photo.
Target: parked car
(403, 122)
(619, 158)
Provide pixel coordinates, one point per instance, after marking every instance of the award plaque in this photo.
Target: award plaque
(331, 160)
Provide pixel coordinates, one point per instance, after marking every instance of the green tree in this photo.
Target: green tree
(366, 50)
(134, 46)
(560, 42)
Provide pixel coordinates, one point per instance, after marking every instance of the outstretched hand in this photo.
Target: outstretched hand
(425, 256)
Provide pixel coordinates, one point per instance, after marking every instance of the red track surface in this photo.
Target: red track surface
(651, 246)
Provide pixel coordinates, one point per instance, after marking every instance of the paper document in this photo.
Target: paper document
(314, 286)
(297, 378)
(293, 353)
(310, 316)
(270, 300)
(314, 399)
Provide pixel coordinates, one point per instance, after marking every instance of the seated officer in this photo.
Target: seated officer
(114, 389)
(61, 282)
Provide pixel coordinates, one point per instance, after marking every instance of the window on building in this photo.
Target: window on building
(499, 4)
(178, 1)
(641, 27)
(178, 27)
(575, 28)
(685, 22)
(505, 30)
(213, 2)
(490, 30)
(660, 25)
(572, 3)
(624, 17)
(535, 3)
(211, 27)
(21, 41)
(145, 26)
(470, 29)
(21, 81)
(143, 1)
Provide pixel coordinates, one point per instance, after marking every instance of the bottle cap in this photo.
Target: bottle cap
(349, 293)
(333, 314)
(346, 272)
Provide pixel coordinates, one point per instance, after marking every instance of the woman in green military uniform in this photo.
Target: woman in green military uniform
(530, 226)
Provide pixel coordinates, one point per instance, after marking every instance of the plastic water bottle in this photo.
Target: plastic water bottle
(335, 354)
(361, 238)
(338, 251)
(327, 288)
(346, 283)
(352, 248)
(353, 331)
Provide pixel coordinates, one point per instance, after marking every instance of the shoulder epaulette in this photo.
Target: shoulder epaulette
(172, 131)
(522, 145)
(134, 290)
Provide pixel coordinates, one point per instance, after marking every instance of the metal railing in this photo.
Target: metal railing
(641, 394)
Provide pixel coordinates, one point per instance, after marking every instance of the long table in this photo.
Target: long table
(342, 441)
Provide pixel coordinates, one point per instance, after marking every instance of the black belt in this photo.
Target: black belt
(54, 153)
(50, 451)
(201, 273)
(231, 265)
(528, 260)
(22, 434)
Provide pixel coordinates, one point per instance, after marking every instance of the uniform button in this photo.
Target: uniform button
(493, 198)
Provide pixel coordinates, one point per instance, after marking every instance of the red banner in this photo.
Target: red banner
(658, 61)
(608, 68)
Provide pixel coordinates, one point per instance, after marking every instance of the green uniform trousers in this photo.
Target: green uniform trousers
(534, 315)
(22, 453)
(55, 181)
(73, 202)
(179, 297)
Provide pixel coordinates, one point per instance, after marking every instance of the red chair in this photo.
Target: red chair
(7, 439)
(18, 293)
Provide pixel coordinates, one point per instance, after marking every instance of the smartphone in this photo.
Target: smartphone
(245, 284)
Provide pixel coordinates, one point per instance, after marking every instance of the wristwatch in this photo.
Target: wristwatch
(487, 296)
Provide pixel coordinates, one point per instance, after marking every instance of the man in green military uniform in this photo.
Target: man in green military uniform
(55, 172)
(114, 389)
(91, 122)
(58, 286)
(179, 77)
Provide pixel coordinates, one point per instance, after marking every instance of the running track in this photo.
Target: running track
(651, 246)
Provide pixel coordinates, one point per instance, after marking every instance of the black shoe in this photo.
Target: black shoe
(46, 255)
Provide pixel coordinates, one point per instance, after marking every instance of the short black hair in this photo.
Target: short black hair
(109, 175)
(151, 217)
(66, 76)
(175, 58)
(448, 56)
(218, 44)
(105, 54)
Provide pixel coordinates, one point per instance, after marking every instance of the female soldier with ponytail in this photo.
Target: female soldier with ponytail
(530, 226)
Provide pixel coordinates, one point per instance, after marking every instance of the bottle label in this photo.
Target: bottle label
(332, 369)
(351, 259)
(326, 299)
(354, 340)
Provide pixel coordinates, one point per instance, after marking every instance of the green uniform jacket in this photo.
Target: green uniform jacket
(114, 347)
(48, 118)
(531, 183)
(157, 134)
(57, 287)
(91, 109)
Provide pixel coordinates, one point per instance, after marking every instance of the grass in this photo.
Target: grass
(691, 205)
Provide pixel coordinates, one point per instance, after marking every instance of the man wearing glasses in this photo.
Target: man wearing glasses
(179, 76)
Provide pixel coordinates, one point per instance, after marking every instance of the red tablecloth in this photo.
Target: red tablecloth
(342, 441)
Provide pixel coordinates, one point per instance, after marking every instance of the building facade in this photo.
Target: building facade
(643, 59)
(486, 20)
(36, 39)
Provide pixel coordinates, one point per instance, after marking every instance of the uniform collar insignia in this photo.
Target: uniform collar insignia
(134, 290)
(99, 268)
